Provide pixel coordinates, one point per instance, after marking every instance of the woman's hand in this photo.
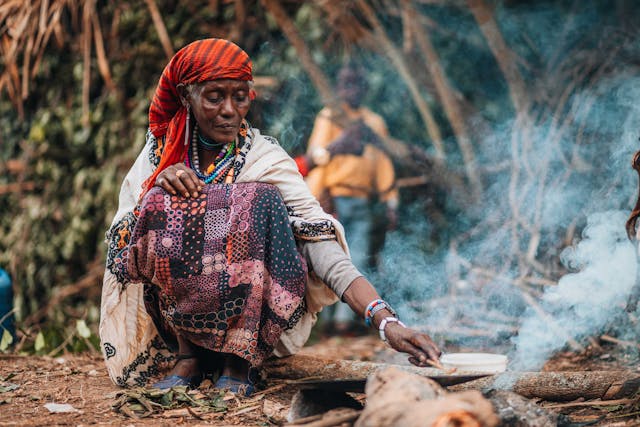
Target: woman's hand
(418, 345)
(179, 179)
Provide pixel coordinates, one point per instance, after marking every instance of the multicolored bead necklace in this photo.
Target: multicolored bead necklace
(219, 169)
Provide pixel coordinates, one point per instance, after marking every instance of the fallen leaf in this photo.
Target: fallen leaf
(39, 344)
(5, 386)
(275, 411)
(83, 329)
(174, 413)
(197, 395)
(6, 341)
(8, 377)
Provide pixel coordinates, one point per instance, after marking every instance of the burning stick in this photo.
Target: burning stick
(437, 364)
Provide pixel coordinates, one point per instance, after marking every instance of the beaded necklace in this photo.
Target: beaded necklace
(209, 144)
(219, 169)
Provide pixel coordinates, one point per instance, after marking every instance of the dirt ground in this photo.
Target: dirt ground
(29, 384)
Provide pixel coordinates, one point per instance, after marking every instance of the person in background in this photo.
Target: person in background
(219, 256)
(347, 169)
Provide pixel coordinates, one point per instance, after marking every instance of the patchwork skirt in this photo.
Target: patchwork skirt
(222, 270)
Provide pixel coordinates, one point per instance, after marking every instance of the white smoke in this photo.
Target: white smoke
(584, 302)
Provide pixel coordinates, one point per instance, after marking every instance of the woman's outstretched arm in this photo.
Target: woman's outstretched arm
(329, 261)
(418, 345)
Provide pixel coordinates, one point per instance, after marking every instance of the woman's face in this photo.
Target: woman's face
(220, 107)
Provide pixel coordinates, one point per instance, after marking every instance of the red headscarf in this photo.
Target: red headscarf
(200, 61)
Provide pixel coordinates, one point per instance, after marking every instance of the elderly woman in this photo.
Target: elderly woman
(219, 256)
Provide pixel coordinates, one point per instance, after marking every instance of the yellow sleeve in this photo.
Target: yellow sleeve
(321, 135)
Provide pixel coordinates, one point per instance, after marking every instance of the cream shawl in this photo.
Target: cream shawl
(131, 346)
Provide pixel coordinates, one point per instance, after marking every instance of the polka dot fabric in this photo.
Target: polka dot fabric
(224, 270)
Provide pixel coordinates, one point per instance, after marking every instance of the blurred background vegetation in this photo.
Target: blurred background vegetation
(471, 91)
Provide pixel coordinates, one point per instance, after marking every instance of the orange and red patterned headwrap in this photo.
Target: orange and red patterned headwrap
(200, 61)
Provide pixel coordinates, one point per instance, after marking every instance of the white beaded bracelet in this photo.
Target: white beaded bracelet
(383, 325)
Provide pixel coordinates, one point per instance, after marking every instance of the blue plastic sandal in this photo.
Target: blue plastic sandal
(235, 385)
(177, 381)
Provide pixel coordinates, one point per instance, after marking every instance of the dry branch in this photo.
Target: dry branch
(505, 57)
(290, 31)
(449, 103)
(530, 300)
(103, 62)
(156, 16)
(332, 418)
(89, 9)
(396, 57)
(89, 280)
(26, 28)
(592, 403)
(629, 344)
(549, 320)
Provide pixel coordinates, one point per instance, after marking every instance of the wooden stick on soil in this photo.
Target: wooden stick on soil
(331, 418)
(592, 403)
(437, 364)
(623, 343)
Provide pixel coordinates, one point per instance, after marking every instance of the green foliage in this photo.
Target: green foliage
(49, 235)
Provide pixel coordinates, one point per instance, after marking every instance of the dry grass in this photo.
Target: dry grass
(26, 29)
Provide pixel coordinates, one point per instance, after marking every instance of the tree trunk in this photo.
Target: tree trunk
(504, 56)
(398, 61)
(290, 31)
(449, 103)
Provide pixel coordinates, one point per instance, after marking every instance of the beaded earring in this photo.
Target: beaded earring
(186, 130)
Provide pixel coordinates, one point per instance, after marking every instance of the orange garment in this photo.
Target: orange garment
(349, 175)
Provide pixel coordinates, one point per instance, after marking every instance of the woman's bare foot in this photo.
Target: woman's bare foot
(235, 376)
(235, 367)
(187, 364)
(186, 371)
(186, 367)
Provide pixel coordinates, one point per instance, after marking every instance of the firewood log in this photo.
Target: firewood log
(561, 386)
(400, 399)
(298, 366)
(552, 386)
